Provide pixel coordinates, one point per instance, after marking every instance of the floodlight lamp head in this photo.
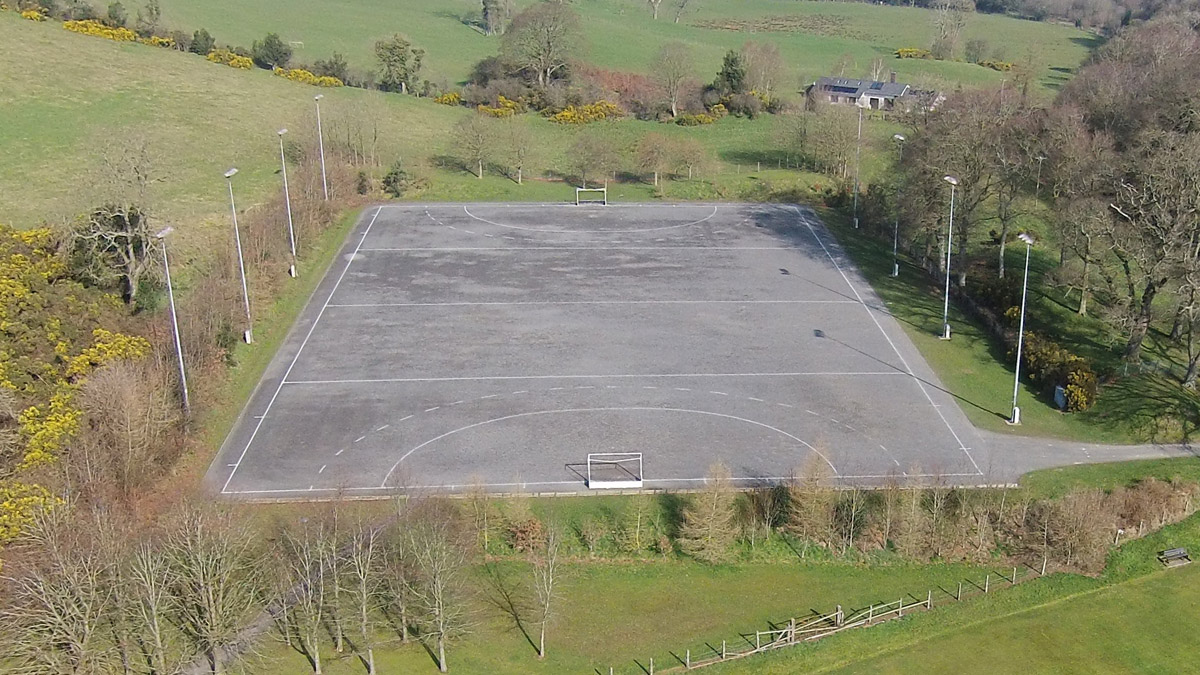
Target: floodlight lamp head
(281, 132)
(899, 137)
(1026, 237)
(950, 179)
(161, 234)
(318, 97)
(231, 173)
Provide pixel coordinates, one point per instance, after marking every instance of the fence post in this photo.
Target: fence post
(757, 640)
(792, 631)
(987, 583)
(1014, 576)
(760, 166)
(959, 596)
(929, 600)
(651, 665)
(870, 614)
(840, 617)
(687, 659)
(722, 652)
(900, 610)
(1043, 567)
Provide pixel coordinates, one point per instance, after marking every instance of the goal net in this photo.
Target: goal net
(614, 470)
(591, 196)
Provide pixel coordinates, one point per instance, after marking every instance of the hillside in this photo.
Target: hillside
(812, 36)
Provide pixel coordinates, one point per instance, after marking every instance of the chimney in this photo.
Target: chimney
(893, 79)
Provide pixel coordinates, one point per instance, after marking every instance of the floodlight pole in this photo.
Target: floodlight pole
(187, 408)
(1038, 189)
(857, 161)
(321, 145)
(949, 248)
(899, 138)
(287, 200)
(237, 240)
(1016, 412)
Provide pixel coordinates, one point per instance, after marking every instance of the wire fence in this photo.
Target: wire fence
(815, 626)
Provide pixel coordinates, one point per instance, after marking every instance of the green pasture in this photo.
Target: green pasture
(622, 36)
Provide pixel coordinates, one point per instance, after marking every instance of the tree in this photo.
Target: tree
(335, 66)
(672, 68)
(202, 42)
(364, 562)
(542, 39)
(117, 16)
(731, 79)
(708, 531)
(680, 8)
(654, 154)
(593, 153)
(399, 63)
(113, 243)
(545, 582)
(654, 7)
(217, 580)
(148, 18)
(949, 20)
(765, 68)
(303, 591)
(271, 52)
(832, 140)
(439, 560)
(518, 146)
(475, 137)
(690, 154)
(637, 534)
(811, 503)
(493, 17)
(151, 577)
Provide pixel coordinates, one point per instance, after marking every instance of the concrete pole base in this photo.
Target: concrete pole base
(945, 332)
(248, 337)
(1015, 420)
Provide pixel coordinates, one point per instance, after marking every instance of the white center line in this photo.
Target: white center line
(359, 439)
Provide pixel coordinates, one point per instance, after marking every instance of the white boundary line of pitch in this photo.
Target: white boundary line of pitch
(962, 446)
(585, 231)
(596, 302)
(283, 380)
(484, 378)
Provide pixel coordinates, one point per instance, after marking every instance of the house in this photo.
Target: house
(862, 93)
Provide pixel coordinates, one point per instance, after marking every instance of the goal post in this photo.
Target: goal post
(614, 470)
(591, 196)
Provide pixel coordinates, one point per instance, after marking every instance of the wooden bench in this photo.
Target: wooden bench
(1173, 557)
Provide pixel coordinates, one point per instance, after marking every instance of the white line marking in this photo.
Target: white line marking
(718, 393)
(523, 391)
(383, 427)
(296, 358)
(322, 469)
(433, 408)
(682, 389)
(609, 247)
(590, 232)
(585, 386)
(887, 337)
(408, 417)
(649, 386)
(359, 439)
(756, 399)
(489, 396)
(339, 452)
(811, 413)
(557, 388)
(480, 378)
(456, 403)
(799, 440)
(785, 405)
(591, 302)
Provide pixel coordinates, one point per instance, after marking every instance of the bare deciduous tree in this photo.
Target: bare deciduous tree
(654, 7)
(593, 153)
(708, 529)
(811, 503)
(304, 587)
(654, 154)
(439, 558)
(544, 563)
(765, 68)
(364, 562)
(673, 67)
(475, 137)
(543, 38)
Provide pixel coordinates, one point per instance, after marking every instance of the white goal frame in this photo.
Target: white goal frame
(602, 199)
(619, 458)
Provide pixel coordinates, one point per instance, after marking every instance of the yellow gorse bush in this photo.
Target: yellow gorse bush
(585, 114)
(33, 15)
(18, 504)
(505, 107)
(305, 77)
(449, 98)
(97, 29)
(228, 58)
(156, 41)
(913, 53)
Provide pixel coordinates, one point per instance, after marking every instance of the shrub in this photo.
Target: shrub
(505, 107)
(306, 77)
(228, 58)
(1049, 365)
(398, 182)
(335, 66)
(586, 114)
(745, 105)
(526, 535)
(202, 42)
(156, 41)
(33, 15)
(97, 29)
(690, 120)
(913, 53)
(271, 52)
(117, 17)
(449, 98)
(1002, 66)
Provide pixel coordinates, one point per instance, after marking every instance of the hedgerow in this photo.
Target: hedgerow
(587, 113)
(97, 29)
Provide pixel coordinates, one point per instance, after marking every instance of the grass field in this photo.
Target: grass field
(622, 35)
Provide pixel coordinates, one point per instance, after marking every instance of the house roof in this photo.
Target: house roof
(856, 88)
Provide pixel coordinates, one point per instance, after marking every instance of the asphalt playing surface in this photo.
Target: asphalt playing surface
(500, 344)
